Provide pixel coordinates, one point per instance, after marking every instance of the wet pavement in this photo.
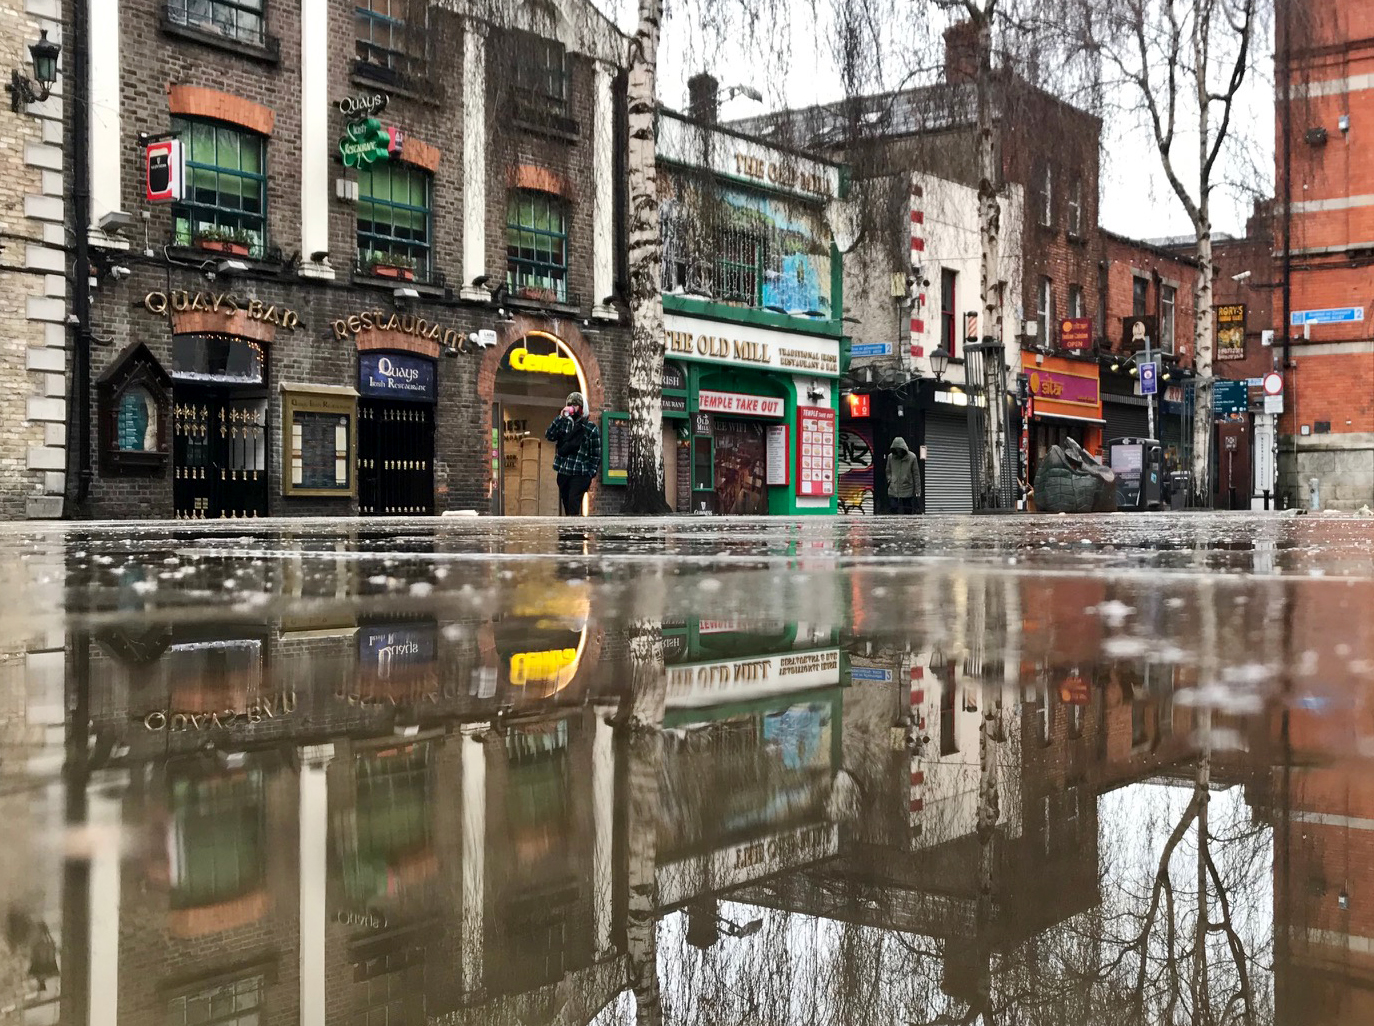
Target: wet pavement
(939, 770)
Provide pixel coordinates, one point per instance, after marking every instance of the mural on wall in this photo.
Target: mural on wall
(855, 466)
(744, 247)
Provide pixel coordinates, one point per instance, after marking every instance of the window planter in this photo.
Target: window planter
(390, 271)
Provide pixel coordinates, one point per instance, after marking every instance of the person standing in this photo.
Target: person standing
(577, 453)
(903, 478)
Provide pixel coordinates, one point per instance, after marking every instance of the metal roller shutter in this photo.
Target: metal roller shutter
(1124, 421)
(947, 479)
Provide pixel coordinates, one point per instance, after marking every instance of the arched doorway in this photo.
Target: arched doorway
(532, 384)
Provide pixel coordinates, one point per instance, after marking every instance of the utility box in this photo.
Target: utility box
(1138, 464)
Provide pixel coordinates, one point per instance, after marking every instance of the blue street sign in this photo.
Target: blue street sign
(1149, 378)
(869, 673)
(1338, 315)
(871, 349)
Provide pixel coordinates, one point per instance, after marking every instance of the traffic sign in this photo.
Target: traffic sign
(1149, 378)
(1273, 383)
(1337, 315)
(1230, 397)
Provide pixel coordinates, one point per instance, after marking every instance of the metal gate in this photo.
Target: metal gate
(1124, 420)
(948, 480)
(395, 458)
(219, 453)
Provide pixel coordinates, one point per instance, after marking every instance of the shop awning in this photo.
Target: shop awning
(1066, 417)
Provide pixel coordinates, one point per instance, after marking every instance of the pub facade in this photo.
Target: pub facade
(346, 265)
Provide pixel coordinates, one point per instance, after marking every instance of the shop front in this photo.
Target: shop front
(396, 433)
(1064, 400)
(758, 433)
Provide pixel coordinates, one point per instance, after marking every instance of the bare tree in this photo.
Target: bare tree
(1183, 59)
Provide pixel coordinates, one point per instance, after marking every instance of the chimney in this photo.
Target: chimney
(703, 98)
(961, 52)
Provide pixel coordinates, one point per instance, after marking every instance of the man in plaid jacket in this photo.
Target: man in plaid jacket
(577, 444)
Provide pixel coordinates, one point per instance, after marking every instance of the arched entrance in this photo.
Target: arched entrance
(532, 384)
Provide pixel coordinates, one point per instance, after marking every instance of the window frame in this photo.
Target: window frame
(1077, 305)
(186, 209)
(1168, 299)
(1140, 295)
(728, 259)
(393, 244)
(563, 237)
(949, 310)
(179, 12)
(1044, 302)
(400, 60)
(530, 45)
(1075, 203)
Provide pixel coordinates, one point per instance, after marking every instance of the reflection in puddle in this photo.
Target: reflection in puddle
(853, 790)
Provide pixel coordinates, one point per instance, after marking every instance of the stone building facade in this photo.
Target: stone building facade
(393, 256)
(33, 286)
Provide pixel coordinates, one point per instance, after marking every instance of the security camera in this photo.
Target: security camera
(320, 256)
(1240, 277)
(119, 272)
(451, 351)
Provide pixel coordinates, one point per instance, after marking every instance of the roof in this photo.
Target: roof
(1154, 247)
(578, 24)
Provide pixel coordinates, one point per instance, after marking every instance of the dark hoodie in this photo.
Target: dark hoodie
(903, 478)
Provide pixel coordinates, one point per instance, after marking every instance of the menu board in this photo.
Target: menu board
(815, 451)
(777, 454)
(615, 448)
(321, 444)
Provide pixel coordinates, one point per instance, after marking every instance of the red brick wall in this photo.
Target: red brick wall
(1125, 257)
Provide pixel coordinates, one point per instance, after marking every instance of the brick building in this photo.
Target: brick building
(1327, 428)
(1052, 247)
(33, 286)
(394, 255)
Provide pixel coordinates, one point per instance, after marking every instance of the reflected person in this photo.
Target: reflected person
(903, 478)
(577, 453)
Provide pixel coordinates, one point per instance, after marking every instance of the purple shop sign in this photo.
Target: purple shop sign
(1063, 388)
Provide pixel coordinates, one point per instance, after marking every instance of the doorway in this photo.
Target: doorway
(395, 458)
(219, 454)
(741, 466)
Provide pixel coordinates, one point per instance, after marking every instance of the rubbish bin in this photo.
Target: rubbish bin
(1180, 486)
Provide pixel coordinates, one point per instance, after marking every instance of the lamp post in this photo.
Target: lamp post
(44, 54)
(939, 362)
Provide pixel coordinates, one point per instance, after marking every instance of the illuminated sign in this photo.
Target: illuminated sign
(522, 359)
(540, 666)
(367, 141)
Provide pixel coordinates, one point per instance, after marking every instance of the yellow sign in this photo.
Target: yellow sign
(522, 359)
(540, 666)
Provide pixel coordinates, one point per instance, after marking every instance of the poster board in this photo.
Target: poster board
(776, 472)
(815, 452)
(1231, 331)
(615, 448)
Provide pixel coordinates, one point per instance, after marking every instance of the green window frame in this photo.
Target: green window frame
(395, 216)
(537, 245)
(226, 184)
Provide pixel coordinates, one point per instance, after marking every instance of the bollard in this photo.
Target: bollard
(1314, 494)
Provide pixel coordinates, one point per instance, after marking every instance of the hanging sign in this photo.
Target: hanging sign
(1231, 331)
(815, 452)
(367, 141)
(1076, 334)
(165, 167)
(396, 376)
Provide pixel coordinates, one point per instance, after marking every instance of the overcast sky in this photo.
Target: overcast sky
(1136, 198)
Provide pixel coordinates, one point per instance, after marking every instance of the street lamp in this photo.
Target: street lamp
(939, 362)
(44, 54)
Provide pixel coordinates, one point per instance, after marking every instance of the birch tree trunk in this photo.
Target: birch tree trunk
(1202, 301)
(644, 484)
(990, 292)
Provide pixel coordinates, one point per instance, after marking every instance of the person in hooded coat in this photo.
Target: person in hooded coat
(577, 458)
(903, 478)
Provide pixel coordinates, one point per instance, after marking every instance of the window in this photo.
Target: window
(387, 35)
(1047, 196)
(229, 1004)
(537, 246)
(948, 312)
(1045, 721)
(237, 19)
(226, 188)
(1168, 296)
(394, 219)
(1077, 308)
(217, 840)
(739, 255)
(1045, 318)
(541, 76)
(1140, 295)
(1076, 207)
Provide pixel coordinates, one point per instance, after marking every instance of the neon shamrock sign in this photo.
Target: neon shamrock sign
(367, 141)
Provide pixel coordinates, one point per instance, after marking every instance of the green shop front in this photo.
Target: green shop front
(749, 418)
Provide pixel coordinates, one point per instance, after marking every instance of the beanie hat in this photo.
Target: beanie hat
(576, 399)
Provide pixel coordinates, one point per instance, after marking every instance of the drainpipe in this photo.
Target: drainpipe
(78, 387)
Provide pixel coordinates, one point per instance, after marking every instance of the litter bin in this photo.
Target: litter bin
(1180, 485)
(1138, 465)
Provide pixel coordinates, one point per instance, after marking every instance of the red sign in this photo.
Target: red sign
(1076, 333)
(1273, 383)
(737, 404)
(1074, 691)
(1063, 388)
(164, 171)
(859, 405)
(815, 451)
